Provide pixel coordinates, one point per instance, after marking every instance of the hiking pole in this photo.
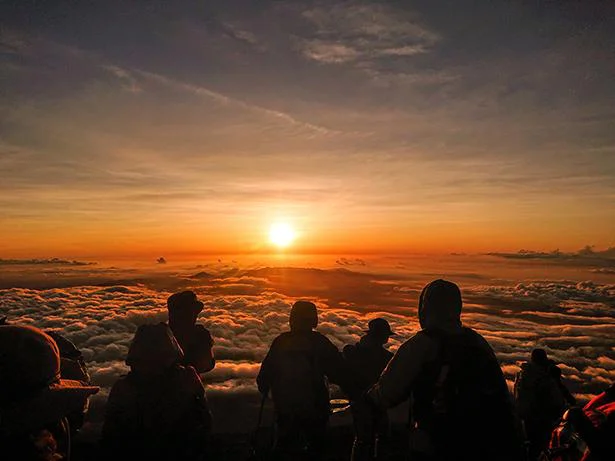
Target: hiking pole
(254, 451)
(260, 413)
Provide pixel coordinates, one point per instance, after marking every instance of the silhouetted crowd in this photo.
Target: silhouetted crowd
(459, 405)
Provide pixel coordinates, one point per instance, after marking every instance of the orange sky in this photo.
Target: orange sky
(370, 127)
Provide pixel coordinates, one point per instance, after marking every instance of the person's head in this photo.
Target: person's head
(440, 305)
(184, 308)
(153, 350)
(33, 397)
(379, 330)
(303, 316)
(539, 357)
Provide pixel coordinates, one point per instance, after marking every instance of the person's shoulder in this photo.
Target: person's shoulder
(202, 332)
(321, 339)
(281, 339)
(476, 338)
(188, 377)
(349, 351)
(422, 344)
(123, 387)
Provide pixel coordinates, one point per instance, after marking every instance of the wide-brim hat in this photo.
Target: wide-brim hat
(32, 393)
(184, 300)
(48, 405)
(379, 327)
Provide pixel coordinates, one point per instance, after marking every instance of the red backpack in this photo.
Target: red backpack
(586, 434)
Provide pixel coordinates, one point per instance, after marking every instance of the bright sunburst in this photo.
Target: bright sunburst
(281, 234)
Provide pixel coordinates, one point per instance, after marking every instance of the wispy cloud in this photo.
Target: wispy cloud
(364, 33)
(225, 99)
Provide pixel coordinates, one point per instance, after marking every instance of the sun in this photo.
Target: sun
(281, 234)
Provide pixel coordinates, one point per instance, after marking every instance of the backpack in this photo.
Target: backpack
(538, 394)
(299, 386)
(585, 434)
(463, 403)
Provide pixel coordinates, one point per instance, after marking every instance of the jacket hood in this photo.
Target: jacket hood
(440, 306)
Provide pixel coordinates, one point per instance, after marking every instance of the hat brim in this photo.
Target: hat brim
(388, 333)
(47, 406)
(195, 306)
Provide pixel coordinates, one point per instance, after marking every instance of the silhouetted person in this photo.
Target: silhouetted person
(159, 410)
(540, 399)
(72, 367)
(366, 360)
(296, 370)
(34, 400)
(461, 406)
(194, 339)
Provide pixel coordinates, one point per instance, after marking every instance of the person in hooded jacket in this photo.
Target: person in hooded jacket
(366, 360)
(159, 410)
(460, 404)
(296, 371)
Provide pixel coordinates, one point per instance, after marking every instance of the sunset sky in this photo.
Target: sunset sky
(419, 126)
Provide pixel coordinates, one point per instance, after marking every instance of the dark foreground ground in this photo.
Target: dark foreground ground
(240, 447)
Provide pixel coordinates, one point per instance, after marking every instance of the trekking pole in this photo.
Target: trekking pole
(260, 413)
(254, 451)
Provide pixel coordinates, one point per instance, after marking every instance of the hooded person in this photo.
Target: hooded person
(34, 400)
(460, 404)
(159, 410)
(296, 371)
(365, 361)
(194, 339)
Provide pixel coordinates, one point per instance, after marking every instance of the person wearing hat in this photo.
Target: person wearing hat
(366, 360)
(34, 400)
(460, 404)
(159, 410)
(194, 339)
(295, 371)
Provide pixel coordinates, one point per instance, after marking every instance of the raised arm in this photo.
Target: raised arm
(263, 380)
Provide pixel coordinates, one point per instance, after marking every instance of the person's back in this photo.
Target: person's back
(296, 367)
(461, 405)
(194, 339)
(159, 410)
(365, 362)
(539, 400)
(296, 371)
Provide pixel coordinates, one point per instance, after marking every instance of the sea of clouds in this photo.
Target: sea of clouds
(246, 308)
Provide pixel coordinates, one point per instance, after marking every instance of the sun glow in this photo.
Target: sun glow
(281, 234)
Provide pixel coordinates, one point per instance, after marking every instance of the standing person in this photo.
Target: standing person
(296, 370)
(194, 339)
(461, 406)
(540, 399)
(366, 360)
(35, 402)
(159, 410)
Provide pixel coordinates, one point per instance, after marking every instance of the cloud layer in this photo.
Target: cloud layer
(247, 308)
